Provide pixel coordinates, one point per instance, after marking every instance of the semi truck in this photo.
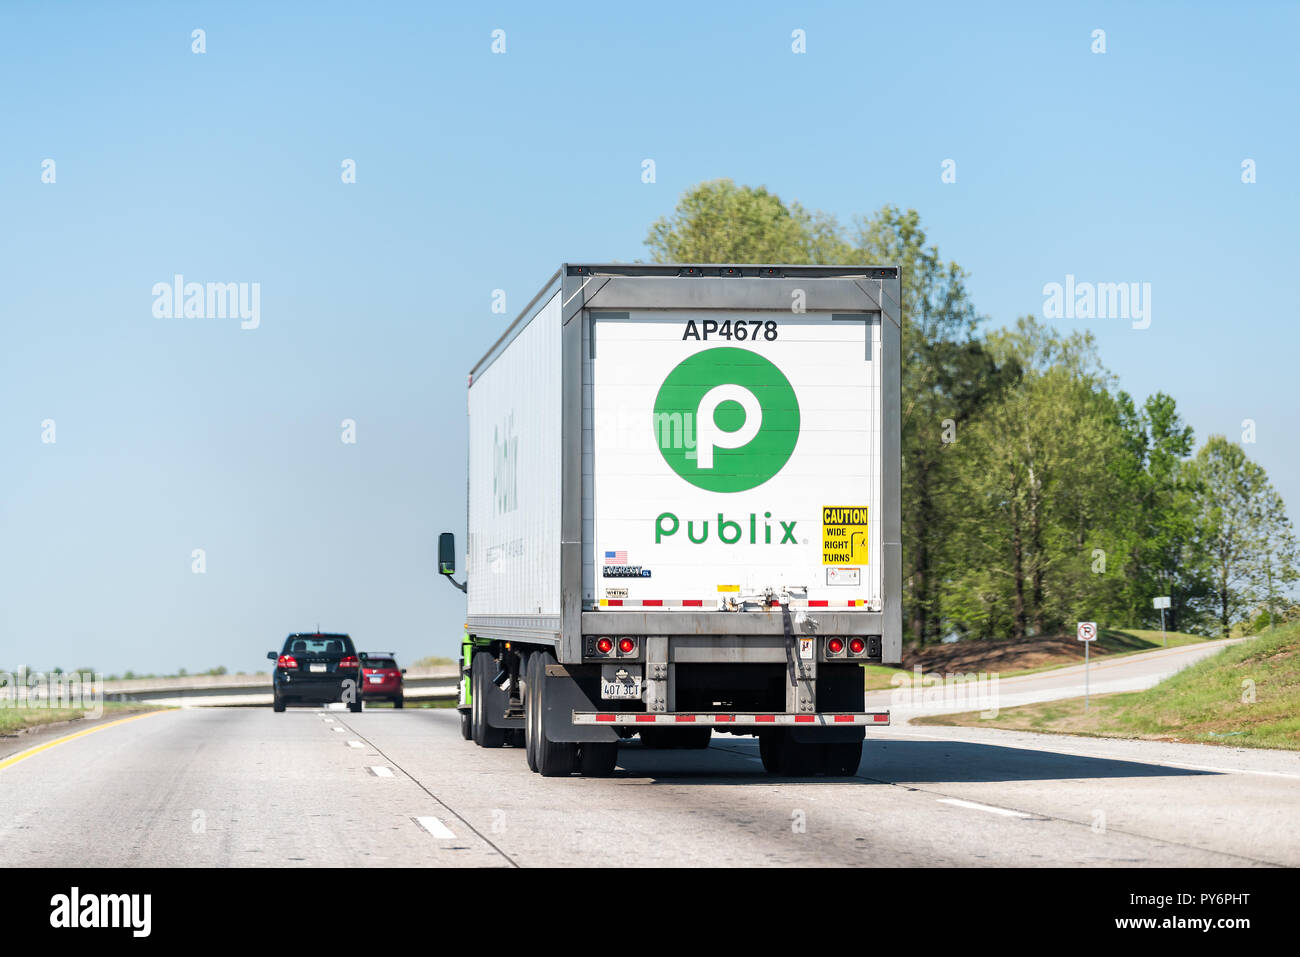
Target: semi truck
(683, 514)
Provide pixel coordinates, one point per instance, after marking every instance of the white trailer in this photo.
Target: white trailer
(684, 514)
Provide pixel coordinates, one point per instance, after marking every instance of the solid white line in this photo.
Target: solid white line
(355, 744)
(1205, 767)
(382, 772)
(982, 807)
(434, 826)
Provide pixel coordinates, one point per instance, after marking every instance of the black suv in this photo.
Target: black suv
(316, 669)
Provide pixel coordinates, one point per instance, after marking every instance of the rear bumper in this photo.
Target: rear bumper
(324, 688)
(681, 719)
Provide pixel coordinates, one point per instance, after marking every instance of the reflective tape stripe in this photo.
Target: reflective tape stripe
(730, 719)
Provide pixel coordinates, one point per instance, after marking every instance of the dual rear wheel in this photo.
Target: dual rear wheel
(782, 755)
(557, 758)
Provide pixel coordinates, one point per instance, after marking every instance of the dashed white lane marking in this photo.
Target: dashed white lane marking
(339, 730)
(329, 720)
(382, 772)
(355, 744)
(1005, 812)
(434, 826)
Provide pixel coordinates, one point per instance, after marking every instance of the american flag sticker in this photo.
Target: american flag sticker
(616, 558)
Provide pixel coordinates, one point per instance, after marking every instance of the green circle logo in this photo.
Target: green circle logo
(726, 419)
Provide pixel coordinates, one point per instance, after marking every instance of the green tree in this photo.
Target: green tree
(1166, 557)
(1249, 544)
(720, 222)
(1037, 530)
(947, 377)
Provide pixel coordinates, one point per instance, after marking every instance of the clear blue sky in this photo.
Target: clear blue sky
(478, 171)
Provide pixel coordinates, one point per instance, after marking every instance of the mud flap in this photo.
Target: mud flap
(563, 696)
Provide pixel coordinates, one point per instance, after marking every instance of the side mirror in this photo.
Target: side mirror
(446, 554)
(272, 655)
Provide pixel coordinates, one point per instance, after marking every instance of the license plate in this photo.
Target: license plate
(614, 689)
(316, 667)
(376, 679)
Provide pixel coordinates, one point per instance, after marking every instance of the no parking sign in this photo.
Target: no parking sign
(1087, 632)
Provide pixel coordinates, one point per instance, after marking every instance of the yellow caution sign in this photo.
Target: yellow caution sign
(844, 535)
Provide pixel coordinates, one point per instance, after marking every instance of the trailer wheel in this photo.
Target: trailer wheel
(531, 722)
(696, 739)
(597, 759)
(485, 736)
(466, 724)
(554, 758)
(781, 754)
(841, 760)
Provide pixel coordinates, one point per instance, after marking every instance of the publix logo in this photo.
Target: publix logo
(726, 419)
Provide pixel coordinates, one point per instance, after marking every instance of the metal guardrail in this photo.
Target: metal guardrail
(199, 691)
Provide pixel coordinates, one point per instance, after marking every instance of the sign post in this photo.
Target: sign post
(1087, 634)
(1162, 603)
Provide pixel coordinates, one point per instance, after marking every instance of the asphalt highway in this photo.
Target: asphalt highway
(312, 787)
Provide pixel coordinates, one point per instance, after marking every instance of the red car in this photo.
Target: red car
(381, 678)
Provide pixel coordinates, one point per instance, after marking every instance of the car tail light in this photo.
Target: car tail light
(857, 646)
(835, 646)
(604, 646)
(626, 646)
(286, 661)
(350, 661)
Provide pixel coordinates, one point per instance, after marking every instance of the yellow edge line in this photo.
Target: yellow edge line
(29, 752)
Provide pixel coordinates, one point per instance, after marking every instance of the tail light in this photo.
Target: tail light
(626, 646)
(835, 646)
(349, 661)
(604, 646)
(857, 646)
(286, 661)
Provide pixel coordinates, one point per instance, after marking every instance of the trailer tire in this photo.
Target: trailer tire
(485, 736)
(769, 751)
(531, 721)
(841, 760)
(597, 759)
(554, 758)
(782, 755)
(697, 739)
(466, 724)
(800, 760)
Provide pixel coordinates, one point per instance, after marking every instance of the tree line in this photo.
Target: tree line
(1036, 491)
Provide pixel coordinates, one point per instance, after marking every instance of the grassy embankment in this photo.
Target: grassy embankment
(1011, 658)
(13, 720)
(1246, 696)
